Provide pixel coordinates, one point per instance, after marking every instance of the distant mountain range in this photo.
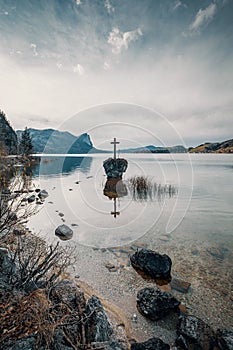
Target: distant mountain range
(154, 149)
(62, 142)
(217, 147)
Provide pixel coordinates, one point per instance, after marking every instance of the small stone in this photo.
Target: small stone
(64, 232)
(31, 198)
(180, 285)
(216, 252)
(37, 190)
(164, 238)
(61, 214)
(134, 318)
(111, 267)
(43, 194)
(70, 189)
(74, 225)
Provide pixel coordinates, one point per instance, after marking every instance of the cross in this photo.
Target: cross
(115, 212)
(115, 142)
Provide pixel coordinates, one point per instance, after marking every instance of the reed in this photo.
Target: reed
(143, 188)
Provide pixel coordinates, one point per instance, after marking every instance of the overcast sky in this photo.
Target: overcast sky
(61, 58)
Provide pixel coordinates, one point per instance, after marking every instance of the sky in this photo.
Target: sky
(114, 67)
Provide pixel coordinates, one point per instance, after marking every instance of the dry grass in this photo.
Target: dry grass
(143, 188)
(24, 316)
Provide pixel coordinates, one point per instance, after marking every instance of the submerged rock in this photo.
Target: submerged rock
(151, 344)
(114, 168)
(180, 285)
(193, 333)
(64, 232)
(152, 264)
(156, 304)
(97, 327)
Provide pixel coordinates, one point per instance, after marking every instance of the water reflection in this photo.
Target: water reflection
(115, 188)
(57, 166)
(142, 188)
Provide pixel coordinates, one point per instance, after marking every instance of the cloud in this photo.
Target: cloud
(78, 2)
(79, 69)
(34, 49)
(106, 66)
(203, 17)
(110, 9)
(178, 4)
(119, 40)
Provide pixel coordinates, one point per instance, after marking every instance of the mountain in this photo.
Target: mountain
(54, 141)
(216, 147)
(154, 149)
(8, 137)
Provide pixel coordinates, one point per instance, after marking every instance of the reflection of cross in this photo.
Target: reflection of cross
(115, 212)
(115, 142)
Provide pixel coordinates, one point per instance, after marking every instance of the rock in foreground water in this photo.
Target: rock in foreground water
(193, 333)
(151, 344)
(152, 264)
(155, 304)
(64, 232)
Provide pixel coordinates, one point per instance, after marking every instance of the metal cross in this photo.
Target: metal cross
(115, 142)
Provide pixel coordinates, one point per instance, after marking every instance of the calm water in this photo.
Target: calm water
(201, 209)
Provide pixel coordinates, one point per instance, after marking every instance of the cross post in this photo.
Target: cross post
(115, 142)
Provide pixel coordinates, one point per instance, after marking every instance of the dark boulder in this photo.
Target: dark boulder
(114, 168)
(109, 345)
(155, 304)
(97, 327)
(151, 344)
(193, 333)
(70, 294)
(152, 264)
(225, 339)
(27, 343)
(64, 232)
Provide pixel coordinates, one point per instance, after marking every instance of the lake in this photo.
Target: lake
(202, 207)
(193, 226)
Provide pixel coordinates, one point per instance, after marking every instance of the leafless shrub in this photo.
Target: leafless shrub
(35, 265)
(143, 188)
(33, 269)
(14, 207)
